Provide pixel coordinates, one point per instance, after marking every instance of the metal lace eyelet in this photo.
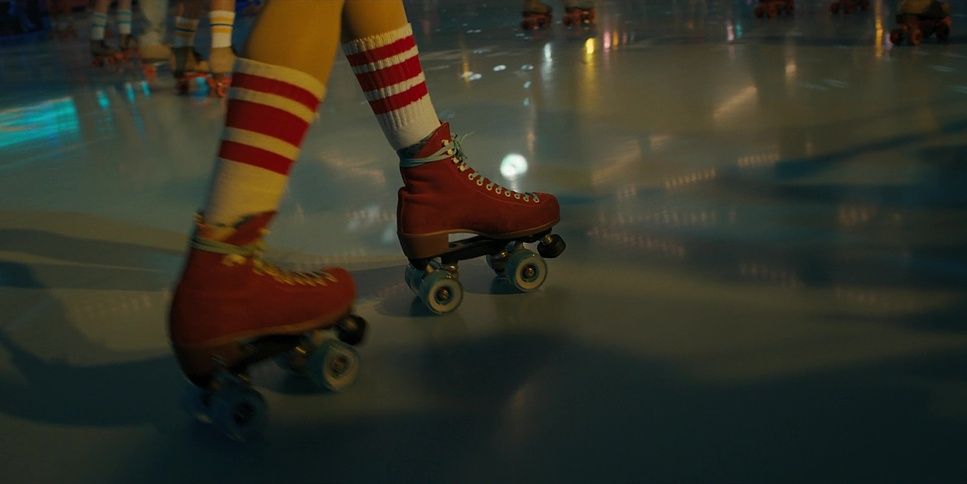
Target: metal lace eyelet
(517, 196)
(498, 190)
(479, 182)
(507, 193)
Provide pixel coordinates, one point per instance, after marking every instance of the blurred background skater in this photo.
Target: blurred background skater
(538, 15)
(100, 50)
(920, 19)
(188, 62)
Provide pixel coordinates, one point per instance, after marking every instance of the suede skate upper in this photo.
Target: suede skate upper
(226, 293)
(448, 196)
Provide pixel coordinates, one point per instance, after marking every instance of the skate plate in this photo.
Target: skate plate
(229, 402)
(436, 280)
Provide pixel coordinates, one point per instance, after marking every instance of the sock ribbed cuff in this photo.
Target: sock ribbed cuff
(185, 31)
(98, 23)
(124, 22)
(222, 23)
(388, 69)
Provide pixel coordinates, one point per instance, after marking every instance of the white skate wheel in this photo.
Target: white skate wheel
(441, 292)
(527, 270)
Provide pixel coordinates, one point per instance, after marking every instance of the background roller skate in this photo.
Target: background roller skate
(220, 63)
(153, 58)
(188, 68)
(583, 16)
(915, 28)
(537, 15)
(773, 8)
(849, 6)
(103, 55)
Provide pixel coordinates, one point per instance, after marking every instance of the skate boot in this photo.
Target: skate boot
(443, 195)
(579, 14)
(231, 310)
(537, 15)
(221, 62)
(187, 66)
(103, 54)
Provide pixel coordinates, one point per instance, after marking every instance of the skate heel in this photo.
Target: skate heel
(424, 246)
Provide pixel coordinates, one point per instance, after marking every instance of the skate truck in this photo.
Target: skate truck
(916, 28)
(773, 8)
(325, 356)
(849, 6)
(435, 280)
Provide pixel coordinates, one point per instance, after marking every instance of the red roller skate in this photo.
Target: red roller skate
(232, 310)
(849, 6)
(583, 16)
(443, 195)
(104, 55)
(773, 8)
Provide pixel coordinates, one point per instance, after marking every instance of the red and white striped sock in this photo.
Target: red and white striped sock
(388, 69)
(270, 109)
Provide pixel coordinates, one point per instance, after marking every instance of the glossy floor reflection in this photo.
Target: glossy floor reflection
(764, 281)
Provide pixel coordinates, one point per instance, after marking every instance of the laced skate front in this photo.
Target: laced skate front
(453, 150)
(239, 254)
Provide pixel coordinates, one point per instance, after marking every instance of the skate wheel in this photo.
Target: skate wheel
(441, 292)
(333, 365)
(351, 330)
(196, 402)
(239, 412)
(498, 262)
(551, 246)
(527, 270)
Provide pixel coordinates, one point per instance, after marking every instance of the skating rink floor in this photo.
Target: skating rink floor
(764, 282)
